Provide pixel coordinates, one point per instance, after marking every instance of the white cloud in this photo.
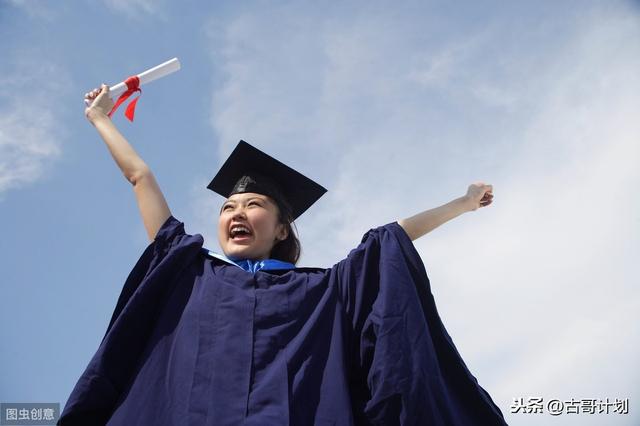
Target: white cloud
(139, 8)
(553, 262)
(35, 9)
(30, 132)
(539, 287)
(437, 69)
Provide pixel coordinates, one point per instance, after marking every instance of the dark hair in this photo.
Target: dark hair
(287, 250)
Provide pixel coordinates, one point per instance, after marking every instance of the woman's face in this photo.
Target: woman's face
(257, 213)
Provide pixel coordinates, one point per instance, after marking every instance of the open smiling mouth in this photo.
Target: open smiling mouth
(240, 234)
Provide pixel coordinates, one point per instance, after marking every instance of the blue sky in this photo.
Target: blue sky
(395, 108)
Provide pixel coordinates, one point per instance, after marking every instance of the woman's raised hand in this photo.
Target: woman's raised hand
(98, 102)
(152, 204)
(479, 195)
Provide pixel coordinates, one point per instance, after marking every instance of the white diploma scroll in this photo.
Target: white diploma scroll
(145, 77)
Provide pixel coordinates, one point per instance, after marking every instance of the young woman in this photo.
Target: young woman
(246, 337)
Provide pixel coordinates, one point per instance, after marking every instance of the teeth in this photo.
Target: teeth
(235, 229)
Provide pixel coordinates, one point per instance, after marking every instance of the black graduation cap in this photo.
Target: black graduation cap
(250, 170)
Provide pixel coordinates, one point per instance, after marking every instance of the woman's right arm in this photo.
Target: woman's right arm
(151, 202)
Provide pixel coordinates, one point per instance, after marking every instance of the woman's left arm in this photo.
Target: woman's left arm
(478, 195)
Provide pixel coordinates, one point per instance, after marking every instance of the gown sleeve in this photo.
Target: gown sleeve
(404, 367)
(95, 395)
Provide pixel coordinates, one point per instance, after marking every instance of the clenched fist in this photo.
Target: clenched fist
(479, 195)
(98, 102)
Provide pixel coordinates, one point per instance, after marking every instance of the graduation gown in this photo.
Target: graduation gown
(194, 340)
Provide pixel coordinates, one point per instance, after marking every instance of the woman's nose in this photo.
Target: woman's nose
(239, 213)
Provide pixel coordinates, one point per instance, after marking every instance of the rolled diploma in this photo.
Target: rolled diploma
(147, 76)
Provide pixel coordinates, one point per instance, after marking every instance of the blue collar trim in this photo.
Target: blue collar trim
(253, 266)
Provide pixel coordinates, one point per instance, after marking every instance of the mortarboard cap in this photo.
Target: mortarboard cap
(250, 170)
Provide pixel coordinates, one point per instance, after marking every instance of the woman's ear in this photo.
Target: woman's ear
(284, 232)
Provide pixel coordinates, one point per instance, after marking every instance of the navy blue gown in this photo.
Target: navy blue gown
(194, 340)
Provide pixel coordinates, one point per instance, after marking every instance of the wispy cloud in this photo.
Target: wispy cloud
(136, 9)
(35, 9)
(30, 132)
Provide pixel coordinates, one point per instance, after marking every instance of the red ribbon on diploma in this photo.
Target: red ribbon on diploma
(133, 85)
